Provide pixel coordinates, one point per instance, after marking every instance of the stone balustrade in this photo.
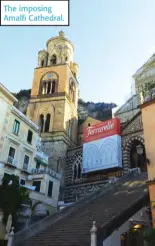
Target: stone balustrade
(46, 170)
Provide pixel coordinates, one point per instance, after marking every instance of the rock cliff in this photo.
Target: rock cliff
(100, 111)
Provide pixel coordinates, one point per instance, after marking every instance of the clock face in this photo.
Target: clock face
(49, 76)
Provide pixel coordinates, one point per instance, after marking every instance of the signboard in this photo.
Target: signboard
(102, 148)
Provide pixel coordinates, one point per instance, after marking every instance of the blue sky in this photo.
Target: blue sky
(112, 40)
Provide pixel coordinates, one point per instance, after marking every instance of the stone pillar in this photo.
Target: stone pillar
(51, 87)
(93, 233)
(10, 237)
(46, 88)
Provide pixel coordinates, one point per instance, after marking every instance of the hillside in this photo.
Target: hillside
(100, 111)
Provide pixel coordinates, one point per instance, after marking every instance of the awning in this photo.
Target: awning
(41, 161)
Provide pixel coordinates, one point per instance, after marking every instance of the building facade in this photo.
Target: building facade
(130, 116)
(20, 154)
(147, 110)
(54, 107)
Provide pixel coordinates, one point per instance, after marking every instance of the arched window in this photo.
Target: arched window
(75, 171)
(47, 123)
(53, 60)
(42, 63)
(72, 91)
(44, 88)
(41, 122)
(53, 86)
(70, 128)
(79, 171)
(49, 87)
(73, 96)
(88, 124)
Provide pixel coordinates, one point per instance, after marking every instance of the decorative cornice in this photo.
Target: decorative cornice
(7, 93)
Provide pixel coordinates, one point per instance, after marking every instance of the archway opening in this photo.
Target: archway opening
(136, 159)
(41, 122)
(47, 123)
(53, 60)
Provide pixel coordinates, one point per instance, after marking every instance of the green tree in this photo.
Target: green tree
(149, 237)
(12, 195)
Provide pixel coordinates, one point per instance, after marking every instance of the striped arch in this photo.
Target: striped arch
(127, 150)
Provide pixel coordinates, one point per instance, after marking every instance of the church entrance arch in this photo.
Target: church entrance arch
(131, 158)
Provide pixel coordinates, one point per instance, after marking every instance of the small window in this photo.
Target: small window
(22, 182)
(53, 60)
(16, 127)
(29, 136)
(12, 152)
(47, 123)
(50, 187)
(26, 162)
(88, 124)
(41, 122)
(37, 184)
(42, 63)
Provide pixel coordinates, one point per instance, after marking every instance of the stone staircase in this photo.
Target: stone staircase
(71, 226)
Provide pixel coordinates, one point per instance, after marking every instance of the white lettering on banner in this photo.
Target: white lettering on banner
(107, 127)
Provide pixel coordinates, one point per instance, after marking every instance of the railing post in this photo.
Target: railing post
(10, 237)
(93, 234)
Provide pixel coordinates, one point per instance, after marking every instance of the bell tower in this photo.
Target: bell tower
(54, 99)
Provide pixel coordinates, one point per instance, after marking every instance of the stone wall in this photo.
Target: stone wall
(82, 184)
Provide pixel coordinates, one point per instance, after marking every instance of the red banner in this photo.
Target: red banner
(102, 130)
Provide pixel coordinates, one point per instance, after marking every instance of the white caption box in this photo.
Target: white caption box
(35, 13)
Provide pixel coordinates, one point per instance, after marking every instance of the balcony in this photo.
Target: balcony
(11, 162)
(26, 169)
(46, 170)
(42, 157)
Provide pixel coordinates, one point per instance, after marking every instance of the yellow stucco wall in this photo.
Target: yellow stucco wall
(148, 119)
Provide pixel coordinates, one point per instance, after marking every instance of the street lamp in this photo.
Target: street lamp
(140, 151)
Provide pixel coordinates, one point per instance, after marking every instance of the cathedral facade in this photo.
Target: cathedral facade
(54, 107)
